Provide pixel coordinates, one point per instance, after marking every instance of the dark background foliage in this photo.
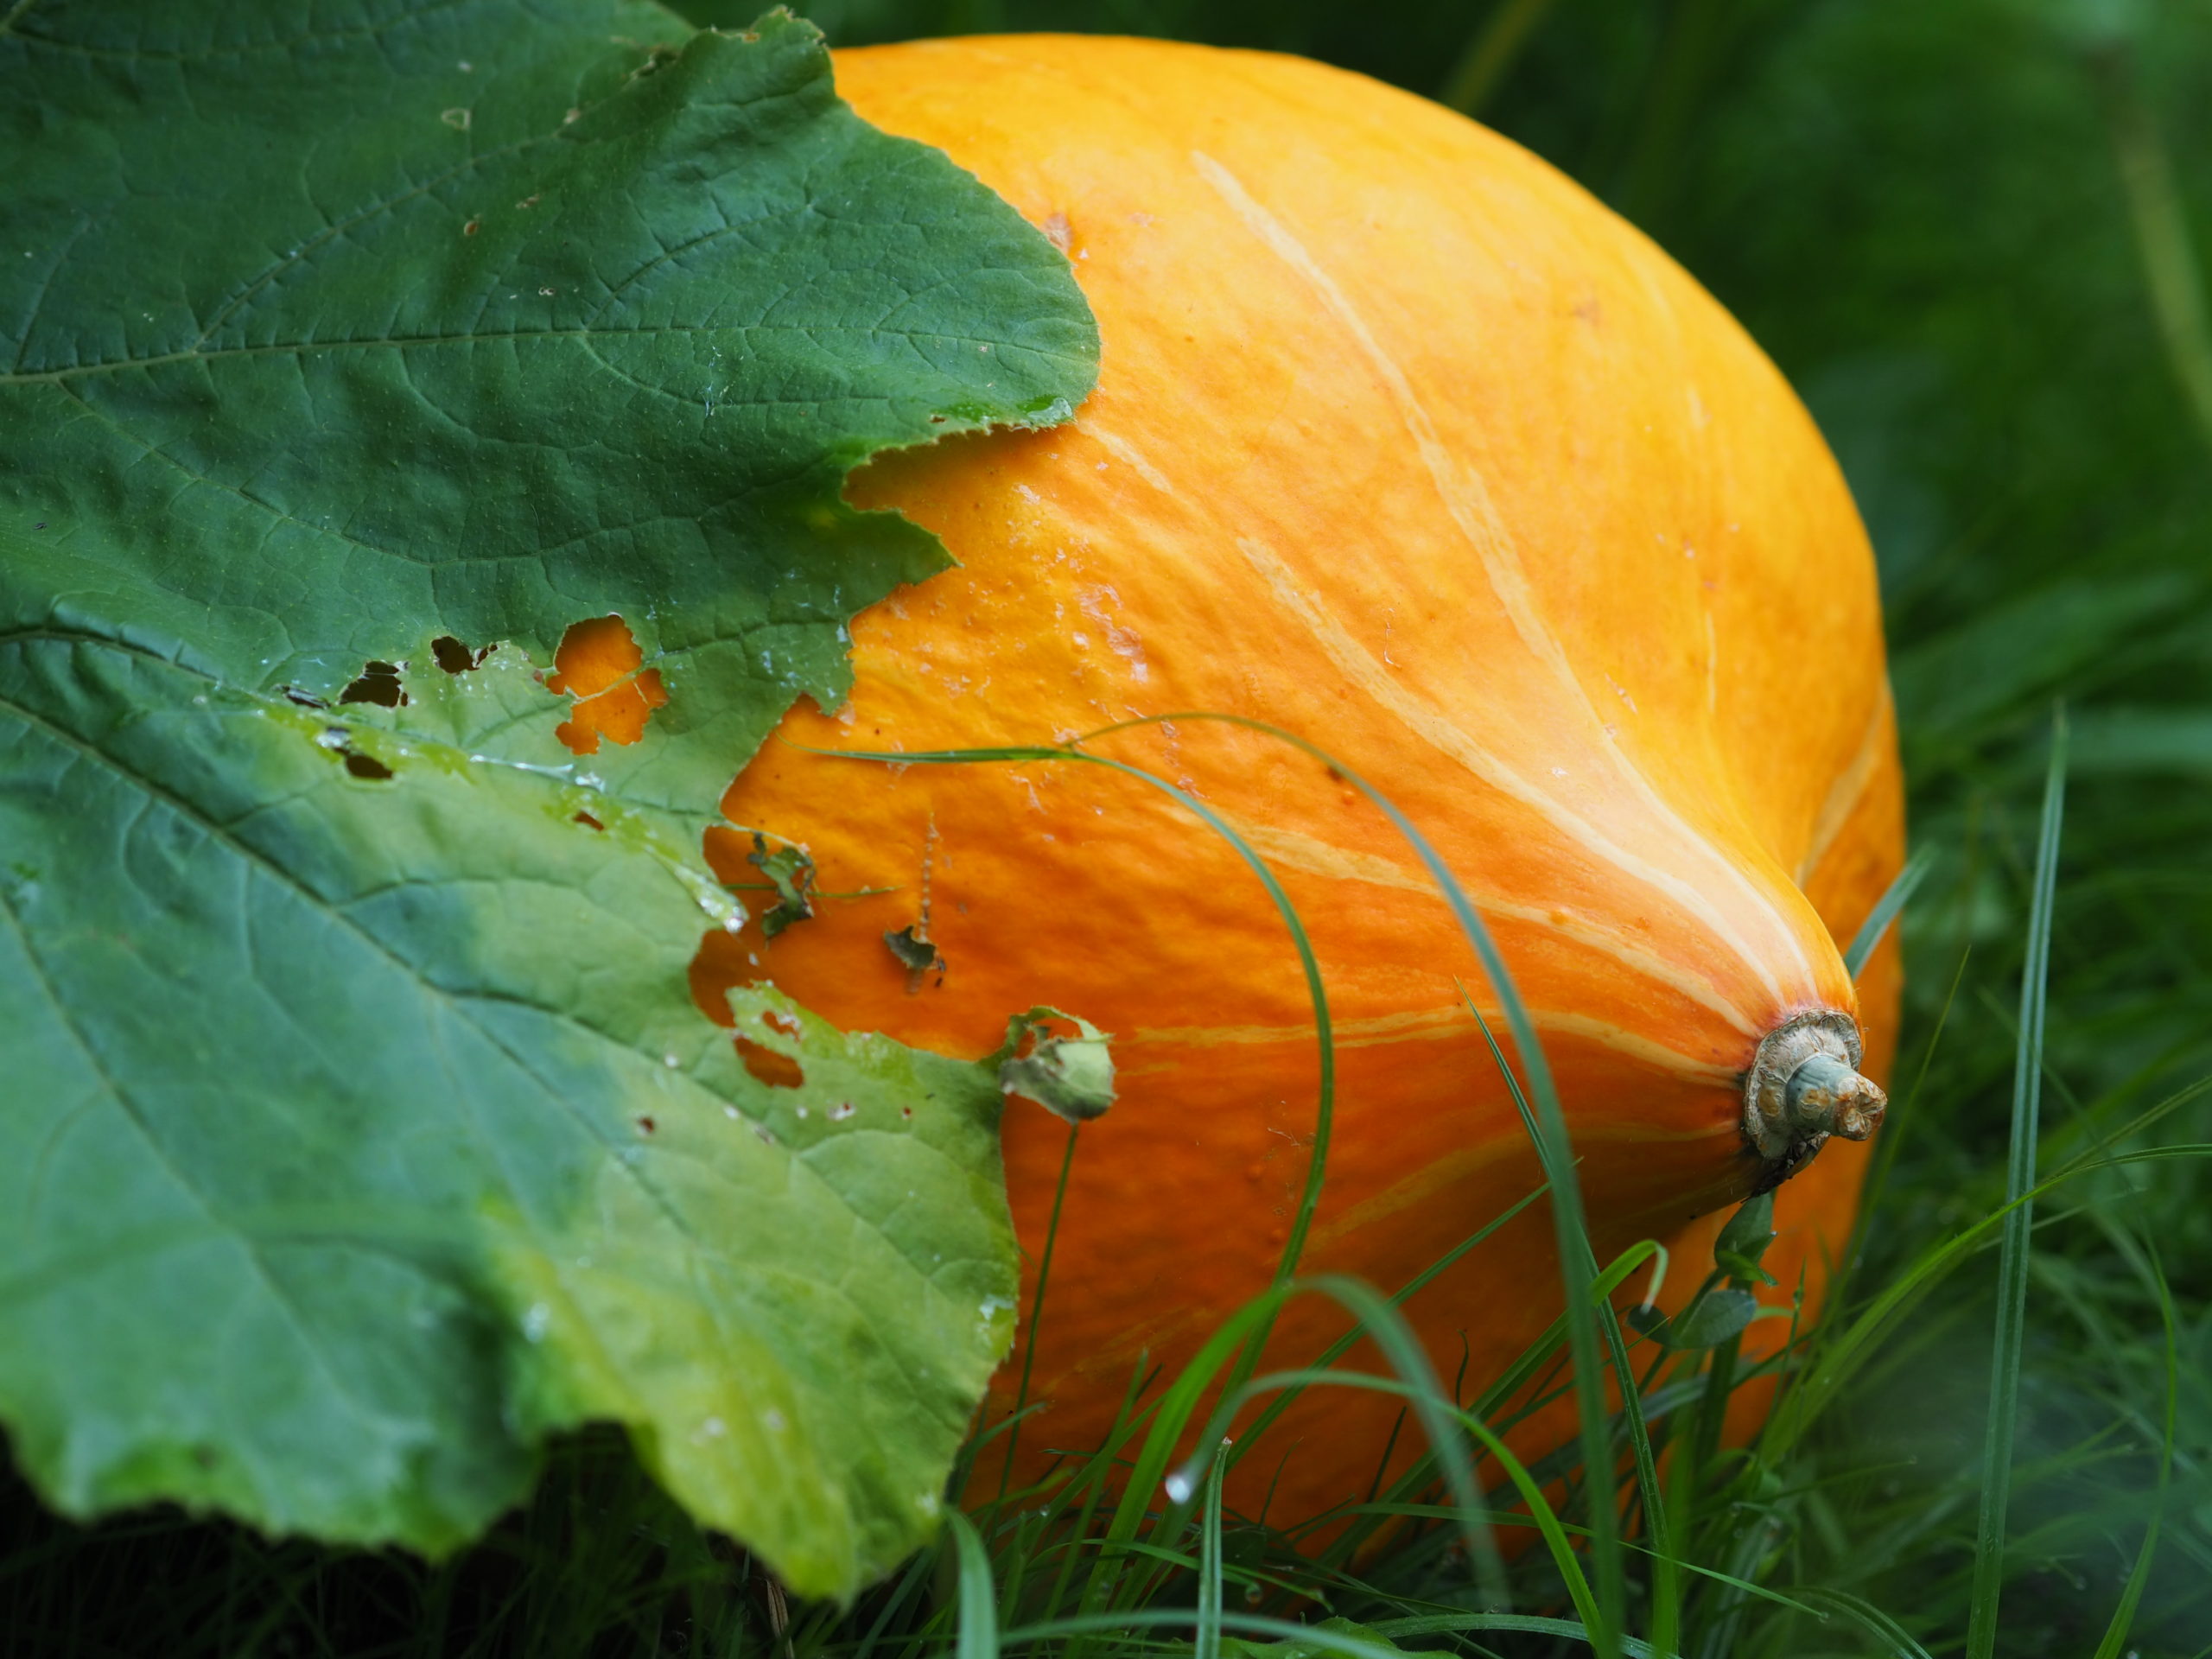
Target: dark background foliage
(1972, 234)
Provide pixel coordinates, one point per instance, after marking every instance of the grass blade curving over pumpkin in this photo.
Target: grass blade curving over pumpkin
(1309, 964)
(1344, 1344)
(1252, 1330)
(1578, 1266)
(1380, 1321)
(1444, 1421)
(1666, 1587)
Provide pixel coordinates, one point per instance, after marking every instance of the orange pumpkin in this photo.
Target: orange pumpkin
(1405, 443)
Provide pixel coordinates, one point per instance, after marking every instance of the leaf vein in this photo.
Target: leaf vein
(813, 331)
(136, 1115)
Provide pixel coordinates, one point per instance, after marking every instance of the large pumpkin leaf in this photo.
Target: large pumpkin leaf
(358, 1129)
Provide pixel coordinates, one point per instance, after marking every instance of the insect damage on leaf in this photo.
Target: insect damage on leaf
(599, 665)
(1070, 1077)
(378, 683)
(791, 869)
(457, 658)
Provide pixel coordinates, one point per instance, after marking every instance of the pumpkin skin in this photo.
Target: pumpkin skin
(1403, 443)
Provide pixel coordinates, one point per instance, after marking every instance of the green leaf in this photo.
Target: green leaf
(1240, 1647)
(1743, 1242)
(1712, 1319)
(790, 871)
(372, 1136)
(334, 329)
(360, 1128)
(915, 954)
(1071, 1077)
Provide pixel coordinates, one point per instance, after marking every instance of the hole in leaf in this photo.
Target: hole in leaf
(724, 961)
(588, 822)
(306, 700)
(778, 1071)
(777, 1020)
(378, 683)
(646, 1125)
(455, 657)
(599, 664)
(362, 766)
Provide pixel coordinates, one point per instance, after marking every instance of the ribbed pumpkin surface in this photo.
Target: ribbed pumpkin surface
(1404, 443)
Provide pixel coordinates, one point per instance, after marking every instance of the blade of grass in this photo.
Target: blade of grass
(979, 1602)
(1859, 1341)
(1868, 1618)
(2019, 1187)
(1169, 1422)
(1440, 1420)
(1129, 1514)
(1124, 1425)
(1666, 1581)
(1206, 1644)
(2130, 1596)
(1316, 1636)
(2159, 214)
(1429, 1402)
(1555, 1150)
(1036, 1315)
(910, 1583)
(1886, 1144)
(1489, 54)
(1518, 1376)
(1577, 1263)
(1886, 911)
(1316, 1164)
(1344, 1344)
(1795, 1599)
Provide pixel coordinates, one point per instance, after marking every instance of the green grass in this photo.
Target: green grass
(1972, 233)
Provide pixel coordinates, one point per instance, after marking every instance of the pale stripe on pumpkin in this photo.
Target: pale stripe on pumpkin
(1319, 857)
(1467, 501)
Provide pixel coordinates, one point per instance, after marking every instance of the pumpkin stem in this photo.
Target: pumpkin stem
(1803, 1086)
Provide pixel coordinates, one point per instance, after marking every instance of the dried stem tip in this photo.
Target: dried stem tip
(1803, 1086)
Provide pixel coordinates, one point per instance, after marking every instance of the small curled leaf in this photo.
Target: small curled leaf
(1071, 1077)
(916, 954)
(791, 871)
(1744, 1240)
(1712, 1319)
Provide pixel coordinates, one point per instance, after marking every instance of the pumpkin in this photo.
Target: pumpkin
(1405, 443)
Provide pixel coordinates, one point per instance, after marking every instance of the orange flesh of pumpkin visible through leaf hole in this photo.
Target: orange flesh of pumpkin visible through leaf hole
(1405, 443)
(599, 664)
